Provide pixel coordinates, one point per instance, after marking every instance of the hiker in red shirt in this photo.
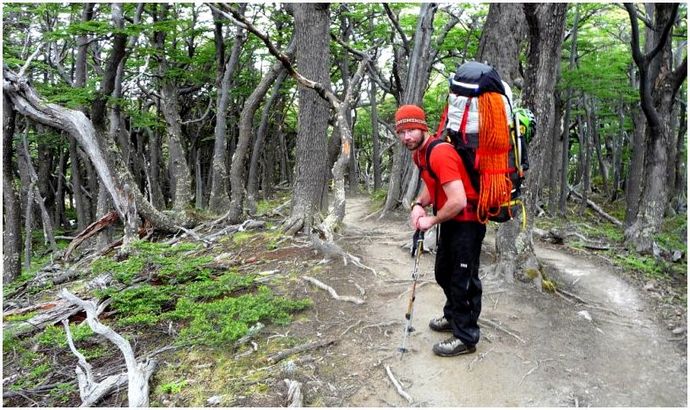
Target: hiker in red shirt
(449, 190)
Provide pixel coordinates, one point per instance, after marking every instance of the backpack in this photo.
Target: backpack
(494, 156)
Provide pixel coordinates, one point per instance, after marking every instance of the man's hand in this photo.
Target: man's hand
(425, 223)
(416, 213)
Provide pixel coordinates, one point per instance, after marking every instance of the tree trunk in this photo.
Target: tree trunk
(155, 166)
(415, 78)
(170, 106)
(618, 144)
(253, 178)
(219, 201)
(49, 237)
(657, 95)
(593, 127)
(59, 218)
(11, 234)
(237, 178)
(633, 186)
(44, 170)
(313, 62)
(80, 202)
(344, 63)
(499, 45)
(586, 154)
(337, 211)
(555, 154)
(679, 199)
(376, 145)
(545, 22)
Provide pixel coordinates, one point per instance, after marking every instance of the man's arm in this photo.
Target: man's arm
(457, 200)
(416, 211)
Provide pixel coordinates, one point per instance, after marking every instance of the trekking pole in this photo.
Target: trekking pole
(417, 248)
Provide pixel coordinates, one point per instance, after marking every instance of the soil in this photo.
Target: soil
(611, 348)
(615, 341)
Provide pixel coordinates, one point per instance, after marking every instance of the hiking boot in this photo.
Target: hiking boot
(440, 324)
(452, 347)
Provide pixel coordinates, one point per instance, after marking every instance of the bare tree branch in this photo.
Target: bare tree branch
(396, 24)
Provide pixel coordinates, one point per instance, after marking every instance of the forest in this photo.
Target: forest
(176, 176)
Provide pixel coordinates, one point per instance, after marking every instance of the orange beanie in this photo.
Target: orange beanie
(410, 117)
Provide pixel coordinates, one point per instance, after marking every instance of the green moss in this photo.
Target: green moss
(673, 233)
(604, 231)
(19, 318)
(174, 387)
(35, 377)
(55, 335)
(62, 392)
(648, 265)
(222, 321)
(549, 285)
(265, 206)
(124, 271)
(181, 269)
(172, 263)
(272, 238)
(532, 273)
(241, 238)
(378, 198)
(223, 285)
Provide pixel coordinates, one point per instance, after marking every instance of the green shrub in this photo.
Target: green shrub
(142, 305)
(223, 285)
(55, 335)
(223, 321)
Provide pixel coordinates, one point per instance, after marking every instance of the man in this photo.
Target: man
(449, 189)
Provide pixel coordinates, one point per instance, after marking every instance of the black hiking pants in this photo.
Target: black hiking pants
(457, 272)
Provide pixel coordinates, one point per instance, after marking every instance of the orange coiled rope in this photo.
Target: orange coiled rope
(492, 156)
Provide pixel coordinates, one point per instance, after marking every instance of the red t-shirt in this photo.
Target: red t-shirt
(447, 165)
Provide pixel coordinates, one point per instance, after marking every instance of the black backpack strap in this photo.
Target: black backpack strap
(431, 146)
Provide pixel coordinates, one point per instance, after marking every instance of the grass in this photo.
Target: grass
(224, 375)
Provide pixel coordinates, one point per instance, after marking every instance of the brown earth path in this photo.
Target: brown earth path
(610, 351)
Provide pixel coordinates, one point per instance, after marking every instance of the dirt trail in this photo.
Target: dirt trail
(615, 354)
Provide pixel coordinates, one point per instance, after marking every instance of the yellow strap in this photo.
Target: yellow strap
(519, 202)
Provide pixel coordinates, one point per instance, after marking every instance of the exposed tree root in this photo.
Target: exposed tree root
(298, 349)
(477, 359)
(496, 326)
(378, 325)
(293, 225)
(397, 385)
(350, 327)
(330, 249)
(333, 293)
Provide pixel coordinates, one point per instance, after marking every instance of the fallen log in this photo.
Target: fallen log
(596, 208)
(53, 313)
(105, 221)
(138, 373)
(294, 396)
